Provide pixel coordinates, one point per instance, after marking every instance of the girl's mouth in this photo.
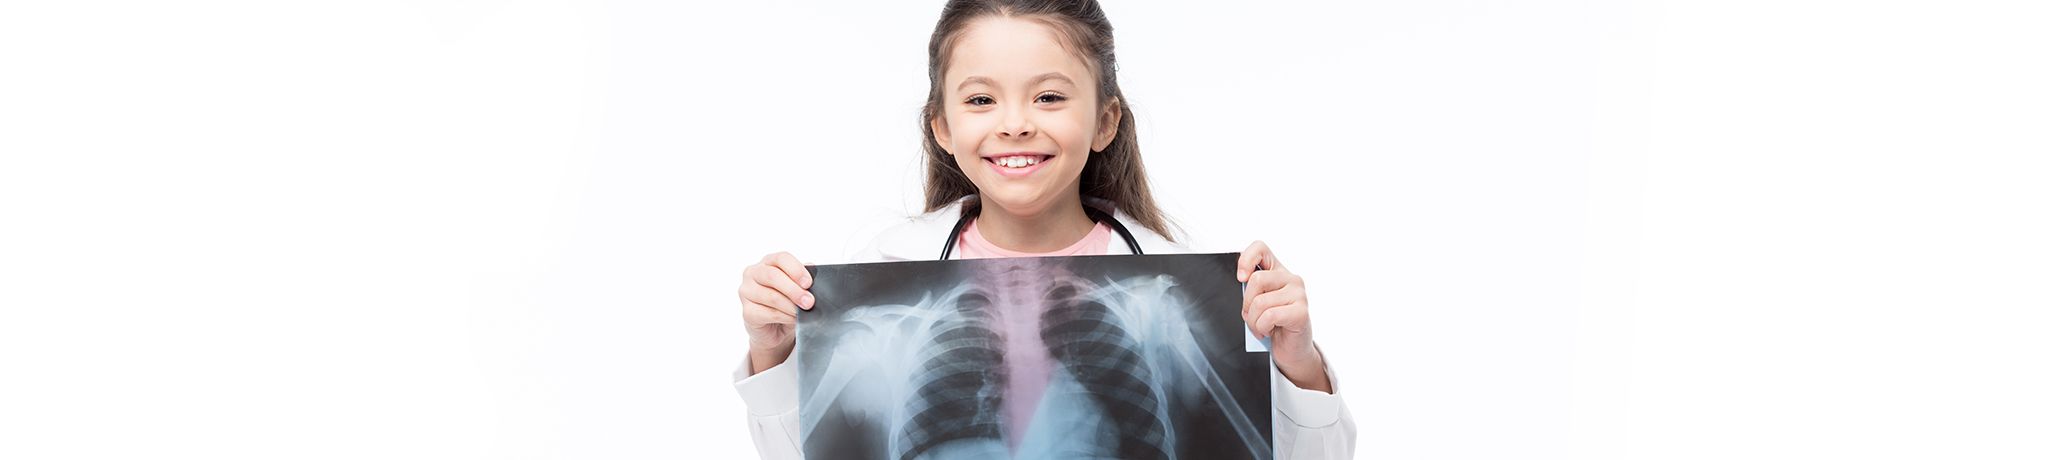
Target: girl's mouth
(1016, 164)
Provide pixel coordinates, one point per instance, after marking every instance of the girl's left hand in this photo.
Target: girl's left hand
(1275, 306)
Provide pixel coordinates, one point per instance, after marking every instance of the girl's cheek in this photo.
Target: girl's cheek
(978, 129)
(1073, 136)
(961, 127)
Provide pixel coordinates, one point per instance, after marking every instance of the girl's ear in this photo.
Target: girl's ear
(942, 135)
(1106, 125)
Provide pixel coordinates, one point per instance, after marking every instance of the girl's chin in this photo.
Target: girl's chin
(1017, 202)
(1029, 195)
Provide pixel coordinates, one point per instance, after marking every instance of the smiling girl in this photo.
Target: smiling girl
(1030, 151)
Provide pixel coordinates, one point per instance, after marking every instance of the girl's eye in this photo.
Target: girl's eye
(1049, 98)
(980, 100)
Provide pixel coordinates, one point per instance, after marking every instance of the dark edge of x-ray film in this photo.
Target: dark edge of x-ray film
(1134, 357)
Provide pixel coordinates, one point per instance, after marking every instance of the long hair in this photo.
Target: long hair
(1116, 173)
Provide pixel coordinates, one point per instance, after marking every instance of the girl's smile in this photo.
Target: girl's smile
(1017, 164)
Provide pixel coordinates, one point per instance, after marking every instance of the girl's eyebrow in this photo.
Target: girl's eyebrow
(976, 80)
(1033, 81)
(1049, 76)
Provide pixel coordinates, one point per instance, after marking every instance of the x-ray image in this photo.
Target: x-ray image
(1127, 357)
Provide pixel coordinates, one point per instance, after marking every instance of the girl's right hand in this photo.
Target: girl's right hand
(770, 294)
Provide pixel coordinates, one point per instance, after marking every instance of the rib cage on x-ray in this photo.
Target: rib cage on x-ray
(1089, 340)
(962, 372)
(1123, 347)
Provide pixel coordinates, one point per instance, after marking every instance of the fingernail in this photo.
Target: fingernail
(809, 300)
(1240, 275)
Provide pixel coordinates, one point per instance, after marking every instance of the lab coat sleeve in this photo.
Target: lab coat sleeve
(1312, 424)
(770, 397)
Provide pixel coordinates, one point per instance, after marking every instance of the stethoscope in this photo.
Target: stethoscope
(968, 213)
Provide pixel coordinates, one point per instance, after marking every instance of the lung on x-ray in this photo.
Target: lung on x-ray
(1129, 357)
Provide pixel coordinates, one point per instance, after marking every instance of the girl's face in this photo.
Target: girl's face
(1021, 114)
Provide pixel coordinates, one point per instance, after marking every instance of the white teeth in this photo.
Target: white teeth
(1019, 161)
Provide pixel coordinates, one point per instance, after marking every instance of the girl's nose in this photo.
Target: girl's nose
(1015, 125)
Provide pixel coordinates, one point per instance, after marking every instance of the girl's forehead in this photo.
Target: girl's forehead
(1012, 49)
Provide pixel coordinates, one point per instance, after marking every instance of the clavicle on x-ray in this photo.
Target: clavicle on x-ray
(1129, 357)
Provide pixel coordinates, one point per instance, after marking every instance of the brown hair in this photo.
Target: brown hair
(1116, 173)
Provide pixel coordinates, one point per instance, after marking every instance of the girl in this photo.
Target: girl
(1030, 151)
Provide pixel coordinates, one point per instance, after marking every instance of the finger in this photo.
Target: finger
(1254, 258)
(791, 266)
(1272, 261)
(1289, 317)
(758, 315)
(1264, 281)
(777, 279)
(1248, 260)
(767, 298)
(1258, 305)
(1260, 283)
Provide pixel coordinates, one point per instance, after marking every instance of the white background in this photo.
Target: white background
(1558, 229)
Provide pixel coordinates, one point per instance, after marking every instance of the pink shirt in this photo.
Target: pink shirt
(974, 246)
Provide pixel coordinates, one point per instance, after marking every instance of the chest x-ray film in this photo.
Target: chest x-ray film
(1128, 357)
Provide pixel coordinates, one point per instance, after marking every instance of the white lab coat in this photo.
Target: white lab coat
(1310, 424)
